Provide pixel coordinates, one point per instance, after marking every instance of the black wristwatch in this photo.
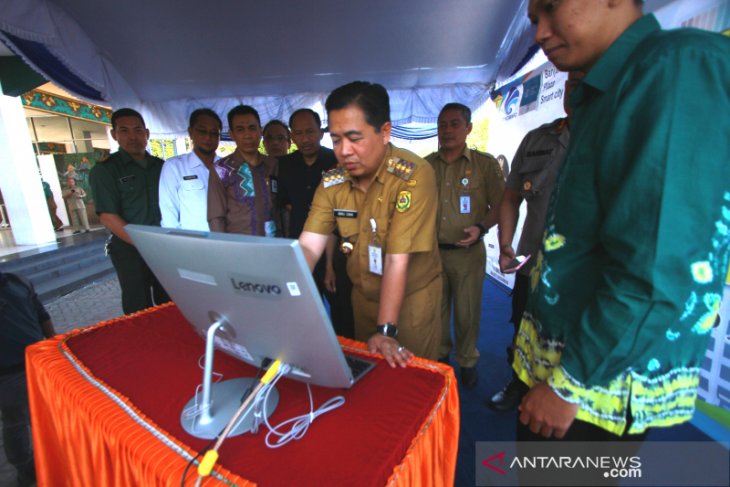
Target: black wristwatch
(482, 230)
(387, 329)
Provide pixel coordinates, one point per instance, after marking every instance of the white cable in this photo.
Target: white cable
(299, 424)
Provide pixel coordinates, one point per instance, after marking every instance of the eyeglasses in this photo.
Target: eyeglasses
(276, 138)
(202, 132)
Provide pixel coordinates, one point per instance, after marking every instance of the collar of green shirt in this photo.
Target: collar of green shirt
(602, 74)
(127, 159)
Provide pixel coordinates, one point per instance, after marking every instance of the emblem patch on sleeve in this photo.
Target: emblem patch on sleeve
(404, 201)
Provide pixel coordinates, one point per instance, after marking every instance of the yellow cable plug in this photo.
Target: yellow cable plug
(269, 375)
(208, 462)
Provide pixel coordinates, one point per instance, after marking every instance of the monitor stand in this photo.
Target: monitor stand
(221, 400)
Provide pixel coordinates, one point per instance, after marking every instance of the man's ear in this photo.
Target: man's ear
(385, 130)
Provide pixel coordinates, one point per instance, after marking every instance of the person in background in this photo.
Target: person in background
(299, 176)
(52, 207)
(277, 139)
(470, 185)
(535, 169)
(243, 186)
(184, 178)
(126, 190)
(74, 197)
(23, 321)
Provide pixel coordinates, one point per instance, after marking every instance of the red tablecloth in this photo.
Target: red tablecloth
(106, 403)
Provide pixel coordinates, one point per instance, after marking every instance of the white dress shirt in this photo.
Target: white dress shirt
(184, 193)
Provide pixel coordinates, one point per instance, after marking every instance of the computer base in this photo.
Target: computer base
(226, 397)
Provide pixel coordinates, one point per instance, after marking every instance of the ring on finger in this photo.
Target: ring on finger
(401, 348)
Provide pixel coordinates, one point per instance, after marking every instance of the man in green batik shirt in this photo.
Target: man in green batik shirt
(629, 281)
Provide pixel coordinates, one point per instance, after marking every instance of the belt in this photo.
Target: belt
(456, 247)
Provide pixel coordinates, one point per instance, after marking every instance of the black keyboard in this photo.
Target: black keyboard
(358, 366)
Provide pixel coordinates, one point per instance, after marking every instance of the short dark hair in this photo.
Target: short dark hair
(126, 112)
(204, 112)
(465, 110)
(242, 110)
(276, 121)
(371, 98)
(314, 114)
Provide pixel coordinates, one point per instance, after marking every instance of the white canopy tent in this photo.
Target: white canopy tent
(167, 57)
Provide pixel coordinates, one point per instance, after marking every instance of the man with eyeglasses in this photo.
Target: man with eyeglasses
(277, 139)
(184, 178)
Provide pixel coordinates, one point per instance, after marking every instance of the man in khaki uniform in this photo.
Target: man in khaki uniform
(383, 201)
(470, 185)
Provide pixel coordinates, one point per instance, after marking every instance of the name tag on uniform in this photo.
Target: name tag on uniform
(345, 213)
(127, 179)
(188, 178)
(465, 204)
(375, 259)
(274, 184)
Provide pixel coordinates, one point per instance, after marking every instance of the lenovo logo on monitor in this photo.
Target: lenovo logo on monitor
(253, 286)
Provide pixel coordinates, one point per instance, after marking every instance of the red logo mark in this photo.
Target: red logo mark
(488, 462)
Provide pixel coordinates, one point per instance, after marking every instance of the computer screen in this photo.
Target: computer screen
(261, 287)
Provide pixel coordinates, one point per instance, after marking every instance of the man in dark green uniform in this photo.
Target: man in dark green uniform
(125, 188)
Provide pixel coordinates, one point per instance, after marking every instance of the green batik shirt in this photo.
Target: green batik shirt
(629, 281)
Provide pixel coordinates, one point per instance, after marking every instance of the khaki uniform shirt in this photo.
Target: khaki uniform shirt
(402, 200)
(474, 174)
(242, 198)
(74, 198)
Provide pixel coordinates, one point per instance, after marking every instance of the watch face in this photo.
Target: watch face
(388, 330)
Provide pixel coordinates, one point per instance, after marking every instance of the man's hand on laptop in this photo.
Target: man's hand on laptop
(393, 352)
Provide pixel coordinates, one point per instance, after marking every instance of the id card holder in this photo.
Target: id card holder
(270, 228)
(375, 252)
(375, 259)
(465, 204)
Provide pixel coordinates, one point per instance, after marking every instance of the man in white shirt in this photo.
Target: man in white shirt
(184, 179)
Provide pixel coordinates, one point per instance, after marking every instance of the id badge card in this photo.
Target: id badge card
(270, 228)
(375, 259)
(465, 204)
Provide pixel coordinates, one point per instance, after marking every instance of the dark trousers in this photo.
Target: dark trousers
(519, 301)
(580, 431)
(140, 287)
(340, 301)
(16, 425)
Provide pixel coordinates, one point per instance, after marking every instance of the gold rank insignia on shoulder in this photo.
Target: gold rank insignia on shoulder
(334, 177)
(404, 201)
(400, 167)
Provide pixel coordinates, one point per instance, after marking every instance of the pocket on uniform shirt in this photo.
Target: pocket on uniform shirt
(534, 174)
(192, 184)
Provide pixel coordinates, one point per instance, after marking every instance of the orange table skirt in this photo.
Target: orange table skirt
(104, 415)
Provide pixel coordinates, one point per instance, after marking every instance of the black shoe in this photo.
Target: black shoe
(469, 377)
(508, 398)
(76, 232)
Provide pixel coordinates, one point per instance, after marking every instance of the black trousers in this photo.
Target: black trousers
(340, 301)
(140, 287)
